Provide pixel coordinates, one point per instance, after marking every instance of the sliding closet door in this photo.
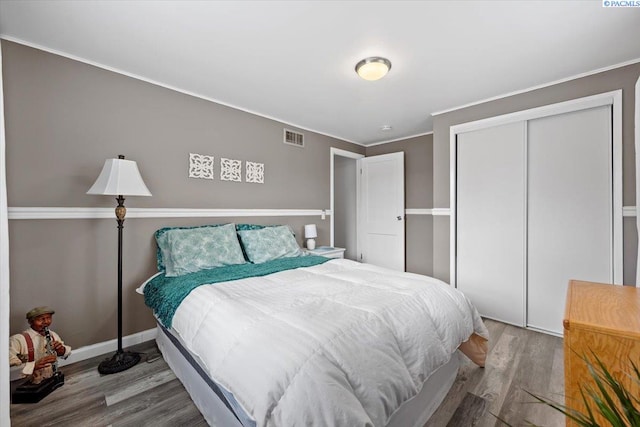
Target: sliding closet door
(570, 203)
(490, 220)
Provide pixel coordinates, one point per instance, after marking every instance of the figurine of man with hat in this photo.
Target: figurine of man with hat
(30, 346)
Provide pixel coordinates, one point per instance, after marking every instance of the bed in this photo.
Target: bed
(262, 335)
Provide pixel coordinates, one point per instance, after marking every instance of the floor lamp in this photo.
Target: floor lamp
(119, 177)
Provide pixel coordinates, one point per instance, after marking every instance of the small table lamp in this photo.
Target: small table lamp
(119, 177)
(310, 233)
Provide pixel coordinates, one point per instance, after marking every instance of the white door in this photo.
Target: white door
(381, 211)
(490, 228)
(534, 209)
(570, 209)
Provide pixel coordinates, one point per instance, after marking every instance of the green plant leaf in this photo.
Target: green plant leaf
(608, 398)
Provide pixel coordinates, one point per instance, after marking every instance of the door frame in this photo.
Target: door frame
(351, 155)
(5, 395)
(614, 99)
(637, 164)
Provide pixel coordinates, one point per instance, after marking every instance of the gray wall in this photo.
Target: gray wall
(620, 78)
(418, 176)
(64, 118)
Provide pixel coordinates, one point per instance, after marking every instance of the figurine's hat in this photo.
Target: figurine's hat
(38, 311)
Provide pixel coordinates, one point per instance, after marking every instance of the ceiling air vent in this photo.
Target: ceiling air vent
(293, 138)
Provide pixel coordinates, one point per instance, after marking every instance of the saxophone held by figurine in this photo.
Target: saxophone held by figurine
(50, 350)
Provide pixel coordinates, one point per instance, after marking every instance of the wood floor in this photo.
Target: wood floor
(519, 360)
(150, 395)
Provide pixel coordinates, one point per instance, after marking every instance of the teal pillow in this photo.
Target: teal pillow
(163, 250)
(269, 243)
(243, 227)
(195, 249)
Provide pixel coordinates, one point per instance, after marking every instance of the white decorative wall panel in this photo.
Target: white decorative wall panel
(231, 170)
(255, 172)
(200, 166)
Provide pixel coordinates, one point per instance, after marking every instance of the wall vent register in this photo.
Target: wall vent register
(293, 138)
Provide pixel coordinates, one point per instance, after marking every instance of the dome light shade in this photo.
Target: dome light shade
(373, 68)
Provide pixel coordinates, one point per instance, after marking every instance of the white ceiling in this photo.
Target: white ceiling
(294, 60)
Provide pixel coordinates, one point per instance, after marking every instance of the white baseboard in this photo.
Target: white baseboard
(93, 350)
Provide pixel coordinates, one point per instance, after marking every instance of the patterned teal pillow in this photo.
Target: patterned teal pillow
(195, 249)
(163, 250)
(266, 244)
(243, 227)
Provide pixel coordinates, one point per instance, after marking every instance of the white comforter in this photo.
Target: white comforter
(337, 344)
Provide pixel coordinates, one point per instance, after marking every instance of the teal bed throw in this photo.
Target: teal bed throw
(164, 294)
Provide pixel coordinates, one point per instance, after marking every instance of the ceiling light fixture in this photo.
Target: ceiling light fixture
(373, 68)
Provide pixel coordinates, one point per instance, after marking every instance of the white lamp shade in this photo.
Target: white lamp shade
(310, 231)
(120, 177)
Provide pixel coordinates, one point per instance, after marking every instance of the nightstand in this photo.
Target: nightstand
(326, 251)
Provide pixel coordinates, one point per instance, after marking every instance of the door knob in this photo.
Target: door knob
(399, 218)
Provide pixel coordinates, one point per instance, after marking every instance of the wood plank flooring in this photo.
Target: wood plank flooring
(519, 360)
(150, 395)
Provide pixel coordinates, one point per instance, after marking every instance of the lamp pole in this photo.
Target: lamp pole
(121, 211)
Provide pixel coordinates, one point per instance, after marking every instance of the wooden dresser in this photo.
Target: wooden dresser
(604, 319)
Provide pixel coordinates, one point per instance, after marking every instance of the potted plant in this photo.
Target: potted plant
(608, 397)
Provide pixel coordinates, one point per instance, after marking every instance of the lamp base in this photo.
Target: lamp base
(311, 244)
(121, 361)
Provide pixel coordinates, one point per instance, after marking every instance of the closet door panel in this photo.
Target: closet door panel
(569, 209)
(490, 221)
